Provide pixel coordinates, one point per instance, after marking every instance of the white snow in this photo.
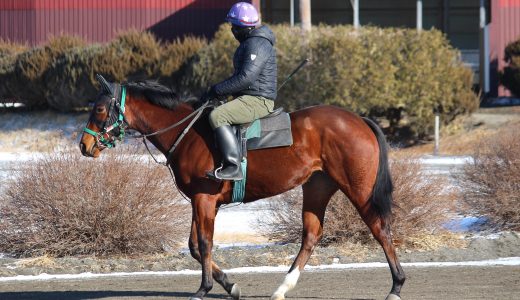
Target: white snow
(509, 261)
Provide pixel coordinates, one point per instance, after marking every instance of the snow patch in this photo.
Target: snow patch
(509, 261)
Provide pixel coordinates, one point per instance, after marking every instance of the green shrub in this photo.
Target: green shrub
(212, 63)
(131, 55)
(510, 76)
(30, 66)
(71, 79)
(396, 74)
(391, 74)
(8, 53)
(176, 58)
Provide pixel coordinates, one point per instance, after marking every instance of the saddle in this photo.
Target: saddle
(273, 130)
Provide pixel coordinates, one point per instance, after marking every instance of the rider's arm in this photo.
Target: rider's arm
(256, 54)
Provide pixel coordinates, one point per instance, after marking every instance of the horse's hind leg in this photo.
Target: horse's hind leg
(380, 227)
(316, 195)
(218, 275)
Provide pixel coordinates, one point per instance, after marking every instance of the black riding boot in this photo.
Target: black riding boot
(229, 148)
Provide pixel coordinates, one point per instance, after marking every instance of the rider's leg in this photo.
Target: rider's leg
(243, 109)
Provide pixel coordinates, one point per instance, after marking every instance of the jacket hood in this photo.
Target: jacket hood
(263, 32)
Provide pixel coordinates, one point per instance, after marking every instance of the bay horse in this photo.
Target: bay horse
(333, 149)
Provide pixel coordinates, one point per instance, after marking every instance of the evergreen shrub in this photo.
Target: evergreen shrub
(395, 74)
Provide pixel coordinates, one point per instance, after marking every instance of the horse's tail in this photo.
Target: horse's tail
(381, 197)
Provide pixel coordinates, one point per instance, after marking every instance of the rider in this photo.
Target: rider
(252, 85)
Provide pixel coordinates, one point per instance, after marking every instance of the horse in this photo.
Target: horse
(333, 149)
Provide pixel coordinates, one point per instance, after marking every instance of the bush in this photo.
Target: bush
(421, 205)
(212, 63)
(30, 66)
(510, 76)
(68, 205)
(396, 74)
(8, 53)
(71, 79)
(131, 55)
(491, 183)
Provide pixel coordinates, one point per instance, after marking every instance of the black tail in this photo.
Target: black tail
(381, 197)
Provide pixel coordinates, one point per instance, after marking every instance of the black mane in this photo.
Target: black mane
(155, 92)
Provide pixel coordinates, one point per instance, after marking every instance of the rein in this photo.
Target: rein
(198, 112)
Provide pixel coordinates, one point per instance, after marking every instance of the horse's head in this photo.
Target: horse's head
(107, 122)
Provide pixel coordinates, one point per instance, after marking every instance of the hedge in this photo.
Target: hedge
(397, 75)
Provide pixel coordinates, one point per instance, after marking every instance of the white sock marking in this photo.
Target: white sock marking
(289, 282)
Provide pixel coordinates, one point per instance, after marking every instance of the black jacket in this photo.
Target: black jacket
(255, 67)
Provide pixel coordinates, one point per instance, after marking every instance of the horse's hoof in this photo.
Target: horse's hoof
(392, 297)
(235, 292)
(277, 297)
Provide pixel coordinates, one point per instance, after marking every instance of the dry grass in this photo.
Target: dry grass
(69, 205)
(491, 183)
(422, 204)
(463, 134)
(430, 242)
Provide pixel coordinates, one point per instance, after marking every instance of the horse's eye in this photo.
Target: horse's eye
(100, 109)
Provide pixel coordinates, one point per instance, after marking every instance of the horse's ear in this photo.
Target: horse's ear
(104, 84)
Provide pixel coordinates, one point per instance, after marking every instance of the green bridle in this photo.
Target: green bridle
(104, 138)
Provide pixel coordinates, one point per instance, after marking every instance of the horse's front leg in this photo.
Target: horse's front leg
(204, 212)
(218, 275)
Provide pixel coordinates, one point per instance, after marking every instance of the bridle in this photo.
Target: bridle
(108, 136)
(116, 114)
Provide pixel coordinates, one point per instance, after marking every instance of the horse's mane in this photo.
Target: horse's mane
(156, 93)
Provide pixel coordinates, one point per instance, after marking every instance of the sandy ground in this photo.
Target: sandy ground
(423, 283)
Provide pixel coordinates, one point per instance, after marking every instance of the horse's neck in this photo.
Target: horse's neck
(149, 118)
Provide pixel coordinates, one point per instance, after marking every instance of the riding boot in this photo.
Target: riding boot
(229, 148)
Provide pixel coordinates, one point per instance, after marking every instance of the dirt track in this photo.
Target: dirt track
(423, 283)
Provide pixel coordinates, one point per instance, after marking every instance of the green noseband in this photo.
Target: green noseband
(104, 138)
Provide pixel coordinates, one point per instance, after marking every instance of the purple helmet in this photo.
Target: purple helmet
(243, 14)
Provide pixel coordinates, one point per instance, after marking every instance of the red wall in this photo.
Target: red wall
(33, 21)
(504, 28)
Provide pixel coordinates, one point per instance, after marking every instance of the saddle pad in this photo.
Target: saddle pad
(270, 132)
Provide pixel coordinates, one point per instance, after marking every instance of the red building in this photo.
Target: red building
(33, 21)
(504, 27)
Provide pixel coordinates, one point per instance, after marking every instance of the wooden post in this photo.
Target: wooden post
(292, 13)
(305, 15)
(419, 16)
(437, 134)
(355, 8)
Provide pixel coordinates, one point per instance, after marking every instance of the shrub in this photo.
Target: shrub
(396, 74)
(212, 63)
(131, 55)
(421, 205)
(71, 79)
(510, 76)
(8, 53)
(68, 205)
(30, 66)
(491, 183)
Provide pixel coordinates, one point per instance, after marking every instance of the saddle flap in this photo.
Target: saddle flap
(274, 132)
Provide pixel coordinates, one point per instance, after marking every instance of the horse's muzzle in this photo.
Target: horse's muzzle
(85, 151)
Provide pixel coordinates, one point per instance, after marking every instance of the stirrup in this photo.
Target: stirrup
(213, 174)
